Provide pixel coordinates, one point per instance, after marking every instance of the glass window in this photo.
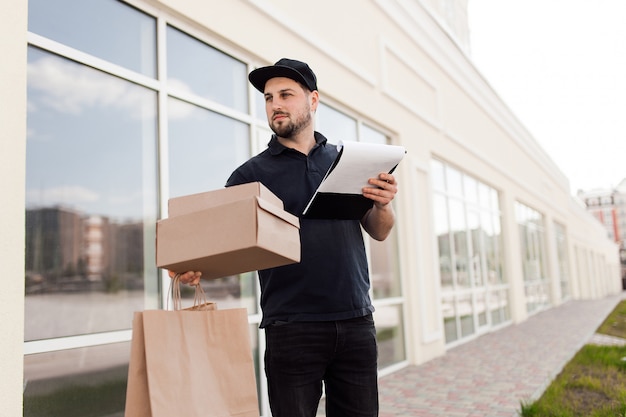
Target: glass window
(490, 224)
(562, 259)
(470, 186)
(499, 306)
(371, 135)
(458, 228)
(259, 106)
(442, 232)
(437, 174)
(90, 198)
(467, 227)
(495, 203)
(465, 310)
(484, 195)
(477, 250)
(389, 334)
(532, 238)
(107, 29)
(195, 67)
(91, 191)
(204, 148)
(335, 125)
(481, 308)
(384, 273)
(454, 181)
(77, 382)
(236, 291)
(449, 311)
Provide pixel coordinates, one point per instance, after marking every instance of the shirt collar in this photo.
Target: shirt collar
(276, 147)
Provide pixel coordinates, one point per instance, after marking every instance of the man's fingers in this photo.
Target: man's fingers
(189, 277)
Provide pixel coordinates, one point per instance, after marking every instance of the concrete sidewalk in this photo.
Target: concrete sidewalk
(492, 375)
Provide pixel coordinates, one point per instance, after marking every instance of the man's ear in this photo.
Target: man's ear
(314, 97)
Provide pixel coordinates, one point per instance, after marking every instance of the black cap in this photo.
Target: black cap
(289, 68)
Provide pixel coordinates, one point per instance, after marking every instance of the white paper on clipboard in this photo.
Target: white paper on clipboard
(356, 163)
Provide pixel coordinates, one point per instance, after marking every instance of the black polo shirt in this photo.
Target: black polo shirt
(331, 282)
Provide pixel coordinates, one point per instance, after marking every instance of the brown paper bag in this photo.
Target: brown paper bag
(191, 363)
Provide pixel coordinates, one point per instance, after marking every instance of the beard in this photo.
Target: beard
(289, 128)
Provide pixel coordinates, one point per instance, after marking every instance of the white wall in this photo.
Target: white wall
(13, 23)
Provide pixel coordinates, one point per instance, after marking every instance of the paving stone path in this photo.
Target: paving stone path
(491, 375)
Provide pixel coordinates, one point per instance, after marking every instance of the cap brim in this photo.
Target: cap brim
(259, 76)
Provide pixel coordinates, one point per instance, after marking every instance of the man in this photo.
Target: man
(317, 314)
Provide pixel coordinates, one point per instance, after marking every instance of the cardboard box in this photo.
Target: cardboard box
(178, 206)
(227, 232)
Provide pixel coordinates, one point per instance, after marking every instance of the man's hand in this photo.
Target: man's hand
(189, 277)
(379, 220)
(384, 190)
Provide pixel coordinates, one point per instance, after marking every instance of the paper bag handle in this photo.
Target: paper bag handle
(199, 299)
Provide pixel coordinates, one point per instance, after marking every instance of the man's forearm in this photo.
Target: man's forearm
(379, 221)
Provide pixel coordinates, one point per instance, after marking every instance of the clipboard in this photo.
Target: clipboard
(339, 196)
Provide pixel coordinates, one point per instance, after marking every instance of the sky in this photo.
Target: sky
(560, 66)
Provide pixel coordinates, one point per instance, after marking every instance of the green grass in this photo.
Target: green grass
(593, 383)
(615, 323)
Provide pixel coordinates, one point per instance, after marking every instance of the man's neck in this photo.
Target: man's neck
(302, 142)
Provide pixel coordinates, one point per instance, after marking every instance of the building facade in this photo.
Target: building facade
(609, 207)
(104, 101)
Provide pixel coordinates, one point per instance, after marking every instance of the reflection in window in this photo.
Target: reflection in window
(470, 189)
(562, 259)
(195, 67)
(389, 334)
(481, 307)
(532, 241)
(335, 125)
(477, 255)
(499, 305)
(236, 291)
(459, 239)
(465, 311)
(442, 231)
(91, 188)
(77, 382)
(454, 181)
(438, 176)
(448, 310)
(492, 238)
(384, 262)
(107, 29)
(467, 226)
(259, 106)
(204, 148)
(90, 198)
(371, 135)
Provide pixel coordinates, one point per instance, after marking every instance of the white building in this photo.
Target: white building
(101, 100)
(609, 207)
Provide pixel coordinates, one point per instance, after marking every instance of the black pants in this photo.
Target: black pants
(342, 354)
